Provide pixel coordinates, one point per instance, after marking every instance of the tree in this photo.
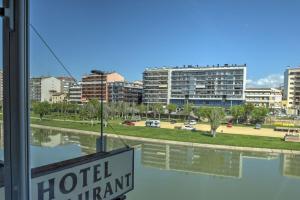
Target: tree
(259, 114)
(171, 108)
(142, 109)
(187, 109)
(248, 108)
(91, 110)
(215, 116)
(237, 112)
(158, 109)
(41, 108)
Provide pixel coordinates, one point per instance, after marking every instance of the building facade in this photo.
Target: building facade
(125, 92)
(66, 83)
(264, 97)
(292, 90)
(156, 84)
(59, 97)
(210, 85)
(75, 94)
(93, 84)
(42, 88)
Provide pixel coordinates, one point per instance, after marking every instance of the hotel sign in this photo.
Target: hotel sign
(97, 176)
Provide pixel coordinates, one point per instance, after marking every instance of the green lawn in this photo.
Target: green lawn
(179, 135)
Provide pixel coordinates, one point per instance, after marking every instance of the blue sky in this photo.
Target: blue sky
(130, 35)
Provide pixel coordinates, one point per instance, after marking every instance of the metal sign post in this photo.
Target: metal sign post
(101, 141)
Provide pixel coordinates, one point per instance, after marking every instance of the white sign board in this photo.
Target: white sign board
(97, 176)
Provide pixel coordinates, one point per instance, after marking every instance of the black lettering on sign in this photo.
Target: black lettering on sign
(119, 184)
(108, 189)
(84, 173)
(127, 179)
(96, 173)
(87, 194)
(62, 183)
(107, 174)
(96, 193)
(42, 190)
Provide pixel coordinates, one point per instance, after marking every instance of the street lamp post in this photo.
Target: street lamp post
(101, 142)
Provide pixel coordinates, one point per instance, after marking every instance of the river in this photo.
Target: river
(174, 172)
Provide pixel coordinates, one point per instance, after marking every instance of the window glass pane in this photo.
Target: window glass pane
(199, 88)
(1, 115)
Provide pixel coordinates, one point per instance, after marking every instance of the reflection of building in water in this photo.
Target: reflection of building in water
(116, 143)
(192, 159)
(260, 155)
(291, 165)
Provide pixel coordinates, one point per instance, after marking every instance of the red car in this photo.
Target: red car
(229, 125)
(128, 123)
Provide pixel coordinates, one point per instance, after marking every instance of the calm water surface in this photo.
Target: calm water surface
(178, 172)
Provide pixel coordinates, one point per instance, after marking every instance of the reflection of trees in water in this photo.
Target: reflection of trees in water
(222, 163)
(39, 136)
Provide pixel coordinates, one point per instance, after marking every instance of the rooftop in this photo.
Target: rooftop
(197, 66)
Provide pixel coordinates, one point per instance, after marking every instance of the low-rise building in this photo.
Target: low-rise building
(58, 97)
(264, 97)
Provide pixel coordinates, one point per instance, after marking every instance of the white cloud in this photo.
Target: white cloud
(274, 80)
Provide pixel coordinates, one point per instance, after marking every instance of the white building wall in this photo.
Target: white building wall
(48, 87)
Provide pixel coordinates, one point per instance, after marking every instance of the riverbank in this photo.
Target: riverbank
(179, 135)
(224, 147)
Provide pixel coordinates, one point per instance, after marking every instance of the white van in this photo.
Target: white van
(152, 123)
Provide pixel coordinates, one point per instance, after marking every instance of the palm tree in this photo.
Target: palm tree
(215, 115)
(171, 108)
(142, 109)
(158, 109)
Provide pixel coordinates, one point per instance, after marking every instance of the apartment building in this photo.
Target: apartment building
(93, 84)
(66, 83)
(156, 84)
(200, 85)
(264, 97)
(292, 90)
(42, 88)
(122, 91)
(75, 92)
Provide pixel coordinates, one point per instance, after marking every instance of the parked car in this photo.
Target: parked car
(229, 125)
(128, 123)
(136, 118)
(192, 122)
(173, 121)
(188, 127)
(153, 123)
(257, 126)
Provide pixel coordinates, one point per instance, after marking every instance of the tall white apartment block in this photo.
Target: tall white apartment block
(292, 90)
(201, 85)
